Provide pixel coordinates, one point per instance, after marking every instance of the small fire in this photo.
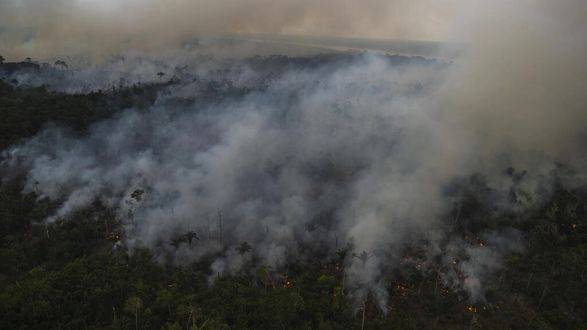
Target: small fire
(403, 291)
(288, 284)
(573, 226)
(471, 309)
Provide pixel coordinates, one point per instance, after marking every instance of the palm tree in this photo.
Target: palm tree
(364, 256)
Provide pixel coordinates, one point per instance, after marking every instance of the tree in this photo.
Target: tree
(194, 315)
(134, 305)
(165, 298)
(187, 237)
(364, 257)
(243, 248)
(2, 59)
(137, 195)
(61, 64)
(190, 236)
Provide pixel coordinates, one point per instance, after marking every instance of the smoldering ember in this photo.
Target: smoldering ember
(293, 164)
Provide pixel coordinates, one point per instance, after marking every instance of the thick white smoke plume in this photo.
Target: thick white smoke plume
(362, 153)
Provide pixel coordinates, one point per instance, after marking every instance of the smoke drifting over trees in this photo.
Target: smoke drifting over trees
(366, 152)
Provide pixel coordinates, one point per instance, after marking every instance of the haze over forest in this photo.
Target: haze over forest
(293, 164)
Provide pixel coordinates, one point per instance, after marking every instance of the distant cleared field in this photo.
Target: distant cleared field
(408, 47)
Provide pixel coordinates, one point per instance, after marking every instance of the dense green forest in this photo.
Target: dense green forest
(73, 273)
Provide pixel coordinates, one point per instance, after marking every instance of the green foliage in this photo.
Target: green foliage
(24, 111)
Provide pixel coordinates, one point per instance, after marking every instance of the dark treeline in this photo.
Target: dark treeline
(74, 273)
(25, 111)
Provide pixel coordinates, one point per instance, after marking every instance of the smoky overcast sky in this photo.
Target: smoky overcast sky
(45, 28)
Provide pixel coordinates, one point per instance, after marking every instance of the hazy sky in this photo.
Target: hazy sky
(43, 28)
(47, 27)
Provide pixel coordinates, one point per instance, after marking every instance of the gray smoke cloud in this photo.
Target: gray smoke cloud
(360, 154)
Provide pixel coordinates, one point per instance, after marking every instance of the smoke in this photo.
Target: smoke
(363, 154)
(521, 85)
(134, 68)
(45, 29)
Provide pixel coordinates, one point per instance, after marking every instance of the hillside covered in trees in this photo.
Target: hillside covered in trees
(95, 265)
